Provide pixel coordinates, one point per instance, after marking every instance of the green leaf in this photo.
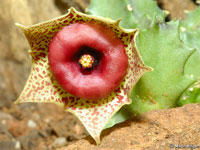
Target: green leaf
(120, 116)
(190, 35)
(114, 9)
(161, 49)
(191, 38)
(147, 9)
(134, 13)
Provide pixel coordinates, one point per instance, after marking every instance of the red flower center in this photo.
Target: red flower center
(88, 60)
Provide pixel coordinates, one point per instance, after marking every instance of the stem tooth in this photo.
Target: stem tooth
(129, 7)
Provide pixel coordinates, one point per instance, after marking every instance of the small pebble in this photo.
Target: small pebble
(31, 124)
(47, 120)
(59, 142)
(5, 116)
(186, 11)
(17, 145)
(3, 122)
(78, 130)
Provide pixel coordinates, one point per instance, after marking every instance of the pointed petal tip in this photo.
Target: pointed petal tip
(118, 21)
(17, 102)
(149, 68)
(97, 140)
(131, 31)
(22, 27)
(86, 10)
(72, 9)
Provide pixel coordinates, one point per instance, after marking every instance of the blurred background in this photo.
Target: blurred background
(40, 126)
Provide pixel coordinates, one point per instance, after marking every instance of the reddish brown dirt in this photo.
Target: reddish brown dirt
(155, 130)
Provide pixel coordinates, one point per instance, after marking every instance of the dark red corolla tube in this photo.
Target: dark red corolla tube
(88, 60)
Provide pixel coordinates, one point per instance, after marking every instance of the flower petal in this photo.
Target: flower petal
(43, 87)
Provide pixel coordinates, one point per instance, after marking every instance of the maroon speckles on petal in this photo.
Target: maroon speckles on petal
(120, 98)
(43, 87)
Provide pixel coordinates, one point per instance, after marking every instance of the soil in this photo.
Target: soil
(155, 130)
(46, 126)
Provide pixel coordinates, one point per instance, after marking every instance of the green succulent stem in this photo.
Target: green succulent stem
(172, 49)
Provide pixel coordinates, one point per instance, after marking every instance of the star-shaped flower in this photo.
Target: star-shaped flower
(60, 72)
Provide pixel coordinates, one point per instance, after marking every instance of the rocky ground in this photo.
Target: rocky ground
(37, 126)
(45, 126)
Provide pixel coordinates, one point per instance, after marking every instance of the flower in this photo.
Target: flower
(46, 83)
(88, 60)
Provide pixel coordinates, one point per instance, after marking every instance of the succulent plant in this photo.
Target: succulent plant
(88, 65)
(164, 46)
(93, 81)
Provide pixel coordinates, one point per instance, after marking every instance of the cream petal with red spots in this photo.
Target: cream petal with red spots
(43, 87)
